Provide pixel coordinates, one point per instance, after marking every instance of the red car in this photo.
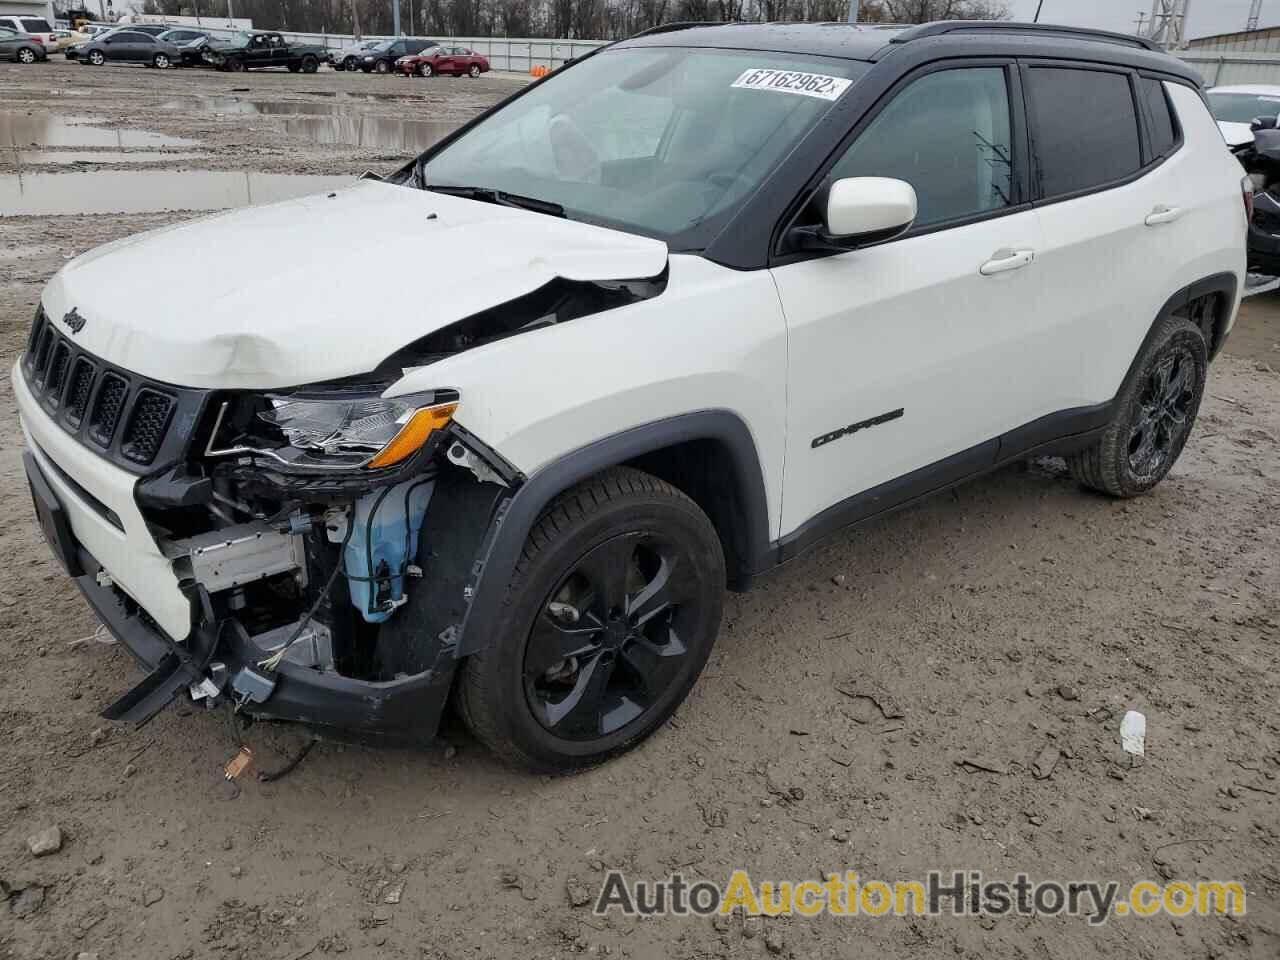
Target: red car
(451, 60)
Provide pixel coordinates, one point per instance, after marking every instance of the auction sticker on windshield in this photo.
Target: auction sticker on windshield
(793, 81)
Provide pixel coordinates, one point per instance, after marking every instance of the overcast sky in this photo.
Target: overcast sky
(1206, 16)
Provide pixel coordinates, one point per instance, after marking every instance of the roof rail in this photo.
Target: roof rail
(940, 27)
(682, 25)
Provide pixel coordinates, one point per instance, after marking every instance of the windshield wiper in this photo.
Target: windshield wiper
(500, 197)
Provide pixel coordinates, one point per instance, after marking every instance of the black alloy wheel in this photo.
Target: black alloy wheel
(607, 644)
(609, 617)
(1164, 413)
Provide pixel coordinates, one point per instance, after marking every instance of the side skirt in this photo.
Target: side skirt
(1056, 434)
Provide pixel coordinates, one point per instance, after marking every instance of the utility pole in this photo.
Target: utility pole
(395, 17)
(853, 11)
(1255, 14)
(1168, 22)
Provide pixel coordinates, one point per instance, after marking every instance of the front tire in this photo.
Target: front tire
(1155, 411)
(610, 615)
(425, 70)
(97, 58)
(234, 66)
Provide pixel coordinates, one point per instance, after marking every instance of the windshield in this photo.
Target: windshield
(665, 142)
(1243, 107)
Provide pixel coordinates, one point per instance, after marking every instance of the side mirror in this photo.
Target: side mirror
(860, 211)
(1262, 123)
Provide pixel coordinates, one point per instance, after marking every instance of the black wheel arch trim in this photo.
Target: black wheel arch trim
(515, 515)
(1224, 284)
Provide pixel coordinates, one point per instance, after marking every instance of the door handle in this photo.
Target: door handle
(1004, 260)
(1162, 214)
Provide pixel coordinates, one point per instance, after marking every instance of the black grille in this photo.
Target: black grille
(57, 375)
(133, 421)
(107, 406)
(78, 392)
(147, 424)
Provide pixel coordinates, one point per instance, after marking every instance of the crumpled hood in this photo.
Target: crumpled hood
(321, 287)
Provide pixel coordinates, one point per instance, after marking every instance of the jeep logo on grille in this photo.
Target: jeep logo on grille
(73, 320)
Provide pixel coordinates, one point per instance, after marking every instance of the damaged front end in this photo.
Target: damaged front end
(328, 539)
(311, 521)
(1261, 161)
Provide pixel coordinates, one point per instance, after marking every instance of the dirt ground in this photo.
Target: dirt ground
(1015, 614)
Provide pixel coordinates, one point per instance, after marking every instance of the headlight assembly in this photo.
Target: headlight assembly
(338, 431)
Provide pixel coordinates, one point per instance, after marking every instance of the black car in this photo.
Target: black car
(126, 46)
(383, 57)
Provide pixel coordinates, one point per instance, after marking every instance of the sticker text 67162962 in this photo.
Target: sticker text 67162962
(792, 81)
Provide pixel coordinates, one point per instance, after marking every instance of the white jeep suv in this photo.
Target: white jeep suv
(696, 300)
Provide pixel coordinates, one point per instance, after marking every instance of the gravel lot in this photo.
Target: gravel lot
(1017, 617)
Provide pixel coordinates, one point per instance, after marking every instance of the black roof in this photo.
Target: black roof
(874, 42)
(849, 41)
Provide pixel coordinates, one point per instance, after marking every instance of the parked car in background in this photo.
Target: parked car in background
(254, 51)
(154, 29)
(383, 57)
(451, 61)
(1236, 107)
(351, 58)
(67, 38)
(192, 52)
(37, 28)
(21, 47)
(126, 46)
(181, 36)
(1247, 115)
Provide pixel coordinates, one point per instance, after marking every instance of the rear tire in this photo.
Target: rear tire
(310, 64)
(234, 66)
(27, 55)
(1155, 411)
(474, 71)
(382, 67)
(161, 62)
(610, 615)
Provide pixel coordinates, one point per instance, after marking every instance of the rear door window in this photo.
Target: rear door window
(1084, 126)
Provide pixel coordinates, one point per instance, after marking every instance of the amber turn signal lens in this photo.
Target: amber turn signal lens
(413, 435)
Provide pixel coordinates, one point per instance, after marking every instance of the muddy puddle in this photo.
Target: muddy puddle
(338, 121)
(150, 191)
(22, 130)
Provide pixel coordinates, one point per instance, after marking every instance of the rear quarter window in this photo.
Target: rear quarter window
(1084, 125)
(35, 25)
(1161, 124)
